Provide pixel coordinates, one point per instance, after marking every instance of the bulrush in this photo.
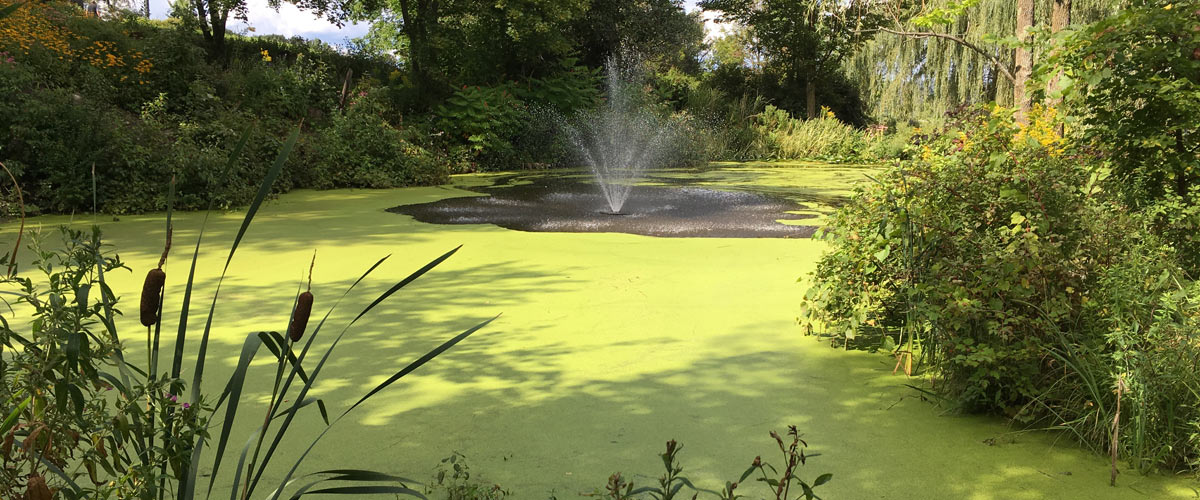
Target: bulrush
(152, 288)
(304, 305)
(151, 292)
(300, 320)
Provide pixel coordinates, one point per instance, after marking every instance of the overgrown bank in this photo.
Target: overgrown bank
(1045, 276)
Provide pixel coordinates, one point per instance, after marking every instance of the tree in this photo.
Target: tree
(807, 39)
(659, 31)
(933, 56)
(211, 18)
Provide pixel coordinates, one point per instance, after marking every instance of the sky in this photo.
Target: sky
(291, 21)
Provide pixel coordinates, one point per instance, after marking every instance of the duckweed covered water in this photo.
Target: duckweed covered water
(610, 344)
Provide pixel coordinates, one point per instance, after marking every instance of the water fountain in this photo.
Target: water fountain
(621, 142)
(623, 138)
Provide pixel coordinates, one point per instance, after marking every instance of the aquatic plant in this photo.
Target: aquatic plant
(146, 442)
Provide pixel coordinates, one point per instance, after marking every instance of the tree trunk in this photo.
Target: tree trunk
(810, 92)
(1024, 66)
(217, 22)
(1060, 16)
(202, 18)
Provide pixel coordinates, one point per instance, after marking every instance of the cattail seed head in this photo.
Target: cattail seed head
(151, 292)
(304, 305)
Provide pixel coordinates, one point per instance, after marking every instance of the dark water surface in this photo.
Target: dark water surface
(571, 205)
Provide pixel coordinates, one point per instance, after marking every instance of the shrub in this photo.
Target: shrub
(979, 257)
(824, 138)
(1132, 83)
(361, 149)
(993, 260)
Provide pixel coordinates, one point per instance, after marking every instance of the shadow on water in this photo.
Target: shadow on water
(610, 344)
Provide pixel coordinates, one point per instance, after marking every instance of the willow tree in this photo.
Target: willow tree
(807, 39)
(921, 70)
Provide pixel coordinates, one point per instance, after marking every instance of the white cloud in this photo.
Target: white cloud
(712, 28)
(288, 21)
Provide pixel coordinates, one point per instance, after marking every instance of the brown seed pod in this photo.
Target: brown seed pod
(151, 291)
(36, 488)
(300, 319)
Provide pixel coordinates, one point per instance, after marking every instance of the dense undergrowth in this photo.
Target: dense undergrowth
(126, 102)
(1045, 276)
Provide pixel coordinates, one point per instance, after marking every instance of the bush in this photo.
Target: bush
(1132, 82)
(361, 149)
(979, 253)
(824, 138)
(994, 261)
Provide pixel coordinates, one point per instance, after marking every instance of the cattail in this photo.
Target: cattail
(36, 489)
(151, 292)
(300, 319)
(304, 305)
(155, 279)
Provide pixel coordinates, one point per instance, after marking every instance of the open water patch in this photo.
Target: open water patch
(569, 205)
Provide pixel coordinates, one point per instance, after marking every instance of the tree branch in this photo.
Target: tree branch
(1000, 66)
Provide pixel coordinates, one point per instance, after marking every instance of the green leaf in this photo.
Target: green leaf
(11, 419)
(822, 479)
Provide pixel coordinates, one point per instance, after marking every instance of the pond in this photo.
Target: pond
(609, 345)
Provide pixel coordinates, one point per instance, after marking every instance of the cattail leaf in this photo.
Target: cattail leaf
(188, 484)
(294, 372)
(408, 369)
(362, 475)
(116, 383)
(364, 490)
(241, 465)
(417, 364)
(412, 277)
(11, 419)
(234, 388)
(307, 401)
(181, 334)
(278, 346)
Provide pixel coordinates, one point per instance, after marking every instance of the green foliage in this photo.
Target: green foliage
(778, 480)
(979, 257)
(485, 119)
(361, 149)
(822, 138)
(143, 441)
(993, 261)
(452, 481)
(66, 365)
(1132, 82)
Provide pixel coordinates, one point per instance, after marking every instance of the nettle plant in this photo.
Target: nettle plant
(82, 421)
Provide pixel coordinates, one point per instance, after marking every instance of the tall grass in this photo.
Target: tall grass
(822, 138)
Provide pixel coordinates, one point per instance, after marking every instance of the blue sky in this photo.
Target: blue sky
(290, 21)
